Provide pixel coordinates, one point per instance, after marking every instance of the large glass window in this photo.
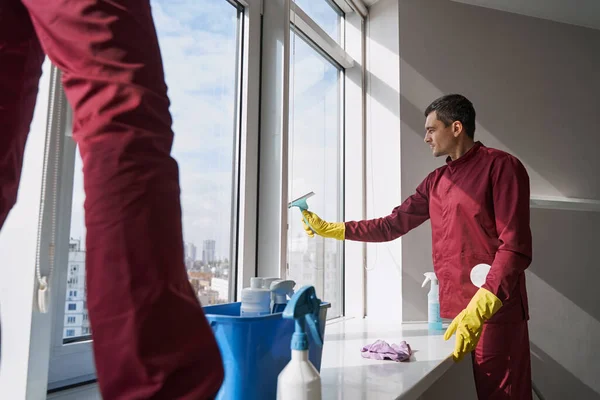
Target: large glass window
(315, 134)
(199, 41)
(326, 14)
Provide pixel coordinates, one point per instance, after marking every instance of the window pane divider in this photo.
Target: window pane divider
(301, 21)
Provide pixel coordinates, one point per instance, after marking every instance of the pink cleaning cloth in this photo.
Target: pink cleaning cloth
(381, 350)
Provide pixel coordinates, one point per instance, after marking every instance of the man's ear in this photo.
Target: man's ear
(457, 128)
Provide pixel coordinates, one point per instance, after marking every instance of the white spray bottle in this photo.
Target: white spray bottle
(300, 380)
(280, 291)
(433, 302)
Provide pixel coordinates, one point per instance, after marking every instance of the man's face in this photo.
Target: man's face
(440, 138)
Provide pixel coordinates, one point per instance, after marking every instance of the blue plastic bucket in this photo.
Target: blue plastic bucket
(255, 350)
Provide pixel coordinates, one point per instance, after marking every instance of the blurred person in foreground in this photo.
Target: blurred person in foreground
(150, 337)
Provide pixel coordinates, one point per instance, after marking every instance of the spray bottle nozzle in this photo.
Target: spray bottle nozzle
(282, 288)
(429, 277)
(304, 307)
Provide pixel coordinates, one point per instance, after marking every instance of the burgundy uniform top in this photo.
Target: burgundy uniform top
(479, 211)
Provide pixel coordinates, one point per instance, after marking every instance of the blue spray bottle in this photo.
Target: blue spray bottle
(433, 302)
(300, 380)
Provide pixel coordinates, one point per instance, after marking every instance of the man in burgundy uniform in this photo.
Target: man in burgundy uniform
(150, 337)
(478, 204)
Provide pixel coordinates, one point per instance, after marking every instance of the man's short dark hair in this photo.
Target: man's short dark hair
(454, 107)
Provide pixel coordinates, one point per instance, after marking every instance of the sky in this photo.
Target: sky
(198, 40)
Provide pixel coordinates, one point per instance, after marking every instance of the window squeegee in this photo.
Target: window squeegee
(301, 203)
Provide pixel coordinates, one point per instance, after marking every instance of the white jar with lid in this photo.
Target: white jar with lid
(256, 300)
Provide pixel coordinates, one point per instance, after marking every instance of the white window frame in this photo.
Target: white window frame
(273, 181)
(307, 31)
(74, 362)
(249, 145)
(355, 173)
(319, 37)
(273, 155)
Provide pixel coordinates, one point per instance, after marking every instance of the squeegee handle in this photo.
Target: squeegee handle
(307, 224)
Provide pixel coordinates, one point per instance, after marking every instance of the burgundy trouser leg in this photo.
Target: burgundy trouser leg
(21, 60)
(502, 362)
(151, 340)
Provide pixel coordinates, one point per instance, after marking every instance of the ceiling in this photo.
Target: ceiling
(575, 12)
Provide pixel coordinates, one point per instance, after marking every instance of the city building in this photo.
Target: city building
(190, 253)
(208, 297)
(221, 286)
(208, 252)
(76, 321)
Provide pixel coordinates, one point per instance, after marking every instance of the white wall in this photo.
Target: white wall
(384, 278)
(535, 88)
(456, 384)
(354, 253)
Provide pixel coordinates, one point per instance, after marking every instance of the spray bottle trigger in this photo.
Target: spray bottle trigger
(304, 307)
(312, 320)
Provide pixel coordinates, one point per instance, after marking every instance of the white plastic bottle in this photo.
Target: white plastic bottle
(256, 300)
(433, 302)
(300, 380)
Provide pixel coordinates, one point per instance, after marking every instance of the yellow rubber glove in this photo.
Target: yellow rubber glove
(333, 230)
(469, 323)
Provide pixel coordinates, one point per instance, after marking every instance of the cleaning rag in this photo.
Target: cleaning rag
(381, 350)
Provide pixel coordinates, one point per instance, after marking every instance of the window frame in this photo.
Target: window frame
(272, 220)
(316, 36)
(248, 156)
(354, 166)
(341, 73)
(71, 361)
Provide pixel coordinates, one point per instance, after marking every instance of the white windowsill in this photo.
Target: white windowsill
(345, 374)
(343, 370)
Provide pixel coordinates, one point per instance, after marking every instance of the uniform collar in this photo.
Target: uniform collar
(465, 157)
